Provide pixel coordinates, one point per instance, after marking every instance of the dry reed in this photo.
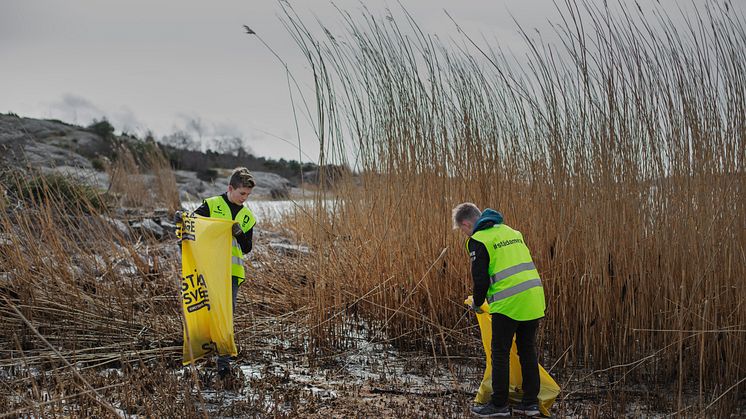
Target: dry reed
(618, 152)
(91, 311)
(143, 190)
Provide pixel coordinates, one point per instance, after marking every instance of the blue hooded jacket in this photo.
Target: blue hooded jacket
(489, 218)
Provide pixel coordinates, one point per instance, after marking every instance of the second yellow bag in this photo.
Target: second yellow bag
(549, 389)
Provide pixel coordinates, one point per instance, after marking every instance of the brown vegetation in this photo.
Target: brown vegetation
(622, 164)
(132, 189)
(618, 153)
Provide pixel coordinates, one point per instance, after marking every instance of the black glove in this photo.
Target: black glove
(237, 231)
(178, 217)
(476, 308)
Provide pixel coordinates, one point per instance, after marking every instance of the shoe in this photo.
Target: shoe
(224, 366)
(225, 372)
(489, 410)
(477, 407)
(527, 410)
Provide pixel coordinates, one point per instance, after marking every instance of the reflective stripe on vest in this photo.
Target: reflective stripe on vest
(245, 218)
(528, 266)
(515, 286)
(236, 260)
(515, 289)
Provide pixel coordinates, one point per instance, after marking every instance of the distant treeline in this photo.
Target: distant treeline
(206, 163)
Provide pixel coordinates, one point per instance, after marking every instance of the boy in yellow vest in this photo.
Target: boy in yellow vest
(504, 274)
(230, 206)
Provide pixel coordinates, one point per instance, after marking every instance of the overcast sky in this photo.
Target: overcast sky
(156, 65)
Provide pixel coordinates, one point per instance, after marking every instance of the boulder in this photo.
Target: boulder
(193, 189)
(85, 175)
(271, 185)
(148, 226)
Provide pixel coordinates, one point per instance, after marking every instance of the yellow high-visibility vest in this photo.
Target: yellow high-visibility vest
(245, 218)
(515, 286)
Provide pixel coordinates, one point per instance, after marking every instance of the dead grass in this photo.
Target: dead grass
(148, 183)
(618, 152)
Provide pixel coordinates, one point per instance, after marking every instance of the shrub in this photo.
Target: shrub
(99, 163)
(102, 128)
(207, 175)
(36, 187)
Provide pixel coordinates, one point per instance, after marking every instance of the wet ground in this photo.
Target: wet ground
(274, 379)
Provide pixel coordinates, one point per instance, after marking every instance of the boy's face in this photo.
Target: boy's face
(466, 227)
(238, 195)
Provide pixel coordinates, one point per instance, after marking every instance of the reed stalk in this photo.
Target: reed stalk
(618, 151)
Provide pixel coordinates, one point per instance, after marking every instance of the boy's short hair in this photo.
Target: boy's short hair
(242, 178)
(464, 211)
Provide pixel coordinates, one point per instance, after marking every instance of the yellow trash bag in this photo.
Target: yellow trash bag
(206, 288)
(549, 388)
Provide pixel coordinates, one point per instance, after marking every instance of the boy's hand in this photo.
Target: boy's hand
(237, 230)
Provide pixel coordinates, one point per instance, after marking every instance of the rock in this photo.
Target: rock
(119, 225)
(39, 154)
(88, 176)
(67, 149)
(169, 229)
(48, 142)
(193, 189)
(271, 185)
(286, 249)
(148, 226)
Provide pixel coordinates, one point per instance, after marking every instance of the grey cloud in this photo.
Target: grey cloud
(126, 120)
(227, 129)
(75, 109)
(79, 110)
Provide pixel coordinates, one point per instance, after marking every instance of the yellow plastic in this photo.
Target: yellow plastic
(549, 389)
(206, 289)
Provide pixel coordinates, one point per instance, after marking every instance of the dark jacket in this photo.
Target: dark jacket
(480, 258)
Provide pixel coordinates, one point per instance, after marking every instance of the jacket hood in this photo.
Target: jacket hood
(489, 218)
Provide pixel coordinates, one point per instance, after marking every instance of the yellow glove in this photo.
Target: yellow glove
(469, 301)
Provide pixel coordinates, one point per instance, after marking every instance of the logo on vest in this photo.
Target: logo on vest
(506, 243)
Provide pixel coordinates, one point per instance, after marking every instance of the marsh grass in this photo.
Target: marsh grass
(618, 151)
(91, 317)
(144, 180)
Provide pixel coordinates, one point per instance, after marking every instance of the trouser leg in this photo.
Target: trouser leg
(525, 341)
(234, 284)
(503, 328)
(224, 360)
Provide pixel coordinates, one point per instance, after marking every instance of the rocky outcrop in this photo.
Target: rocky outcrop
(271, 185)
(44, 143)
(192, 188)
(148, 227)
(57, 147)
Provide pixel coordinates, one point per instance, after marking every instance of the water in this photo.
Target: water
(269, 211)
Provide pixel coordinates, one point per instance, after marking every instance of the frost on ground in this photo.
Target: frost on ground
(275, 378)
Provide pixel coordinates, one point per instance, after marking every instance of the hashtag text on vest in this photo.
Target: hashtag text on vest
(507, 242)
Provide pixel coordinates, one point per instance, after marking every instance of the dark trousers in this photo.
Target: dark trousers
(503, 329)
(224, 360)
